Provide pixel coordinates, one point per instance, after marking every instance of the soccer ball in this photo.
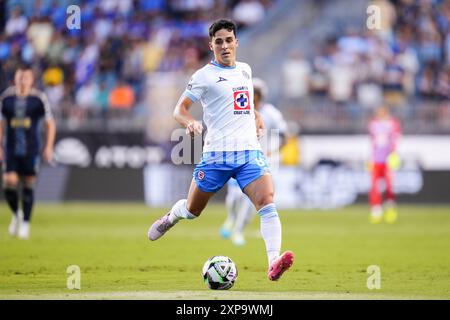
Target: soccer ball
(219, 273)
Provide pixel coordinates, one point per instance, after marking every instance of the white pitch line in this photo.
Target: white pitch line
(212, 295)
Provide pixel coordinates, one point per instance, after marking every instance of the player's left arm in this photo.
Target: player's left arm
(50, 130)
(50, 127)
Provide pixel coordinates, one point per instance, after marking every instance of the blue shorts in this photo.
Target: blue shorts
(217, 167)
(23, 166)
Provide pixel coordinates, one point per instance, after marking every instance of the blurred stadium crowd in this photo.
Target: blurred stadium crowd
(102, 71)
(99, 70)
(405, 64)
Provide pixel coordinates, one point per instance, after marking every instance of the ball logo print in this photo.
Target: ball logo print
(241, 100)
(219, 273)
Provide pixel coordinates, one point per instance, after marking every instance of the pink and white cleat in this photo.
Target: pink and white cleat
(280, 265)
(160, 227)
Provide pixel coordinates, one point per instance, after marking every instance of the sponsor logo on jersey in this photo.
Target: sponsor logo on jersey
(246, 75)
(221, 79)
(241, 100)
(189, 86)
(21, 123)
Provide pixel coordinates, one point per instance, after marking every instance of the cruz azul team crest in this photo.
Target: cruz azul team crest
(241, 100)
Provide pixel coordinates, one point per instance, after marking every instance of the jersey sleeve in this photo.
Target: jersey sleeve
(2, 97)
(48, 115)
(196, 87)
(247, 69)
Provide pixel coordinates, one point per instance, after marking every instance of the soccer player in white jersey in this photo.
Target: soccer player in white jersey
(239, 207)
(231, 149)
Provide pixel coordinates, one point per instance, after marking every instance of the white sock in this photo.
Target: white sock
(271, 231)
(179, 211)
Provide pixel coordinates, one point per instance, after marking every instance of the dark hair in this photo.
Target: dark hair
(24, 66)
(222, 24)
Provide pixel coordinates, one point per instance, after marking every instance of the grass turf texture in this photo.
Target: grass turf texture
(333, 250)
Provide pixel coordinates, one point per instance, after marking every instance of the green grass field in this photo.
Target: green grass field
(333, 251)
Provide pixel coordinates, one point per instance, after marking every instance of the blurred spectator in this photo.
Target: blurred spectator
(103, 27)
(447, 48)
(133, 41)
(369, 94)
(443, 85)
(388, 18)
(182, 5)
(86, 98)
(122, 7)
(86, 64)
(248, 12)
(341, 76)
(55, 94)
(409, 62)
(393, 80)
(426, 82)
(17, 24)
(53, 76)
(408, 57)
(57, 47)
(5, 48)
(121, 97)
(40, 34)
(296, 73)
(101, 101)
(121, 41)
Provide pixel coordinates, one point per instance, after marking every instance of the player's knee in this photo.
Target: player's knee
(10, 182)
(263, 200)
(29, 181)
(29, 184)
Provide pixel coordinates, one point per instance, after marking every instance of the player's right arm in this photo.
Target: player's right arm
(183, 117)
(195, 90)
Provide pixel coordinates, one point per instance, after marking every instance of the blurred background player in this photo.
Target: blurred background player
(384, 132)
(231, 149)
(22, 109)
(239, 207)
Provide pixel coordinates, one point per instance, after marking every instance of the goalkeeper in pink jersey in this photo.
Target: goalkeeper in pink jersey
(384, 131)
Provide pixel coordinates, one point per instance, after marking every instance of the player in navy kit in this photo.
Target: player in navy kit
(22, 109)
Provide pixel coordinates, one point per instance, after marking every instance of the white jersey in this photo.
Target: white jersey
(226, 95)
(275, 126)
